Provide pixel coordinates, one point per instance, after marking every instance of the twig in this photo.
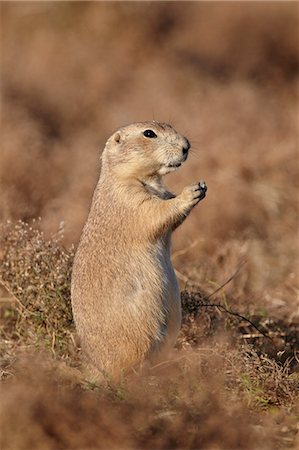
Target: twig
(233, 313)
(228, 311)
(168, 361)
(13, 295)
(181, 276)
(236, 272)
(254, 335)
(72, 339)
(53, 343)
(185, 250)
(20, 304)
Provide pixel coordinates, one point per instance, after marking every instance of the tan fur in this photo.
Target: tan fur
(125, 296)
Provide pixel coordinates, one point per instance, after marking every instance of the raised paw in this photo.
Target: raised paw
(202, 189)
(194, 193)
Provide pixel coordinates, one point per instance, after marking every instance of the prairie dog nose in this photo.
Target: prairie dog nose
(186, 147)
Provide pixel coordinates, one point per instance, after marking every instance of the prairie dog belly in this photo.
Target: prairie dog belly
(170, 300)
(150, 293)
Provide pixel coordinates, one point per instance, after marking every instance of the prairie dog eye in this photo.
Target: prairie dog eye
(149, 134)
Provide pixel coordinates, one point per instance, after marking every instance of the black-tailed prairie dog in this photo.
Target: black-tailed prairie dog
(125, 296)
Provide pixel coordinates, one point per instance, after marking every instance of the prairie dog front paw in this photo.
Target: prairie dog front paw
(192, 194)
(203, 189)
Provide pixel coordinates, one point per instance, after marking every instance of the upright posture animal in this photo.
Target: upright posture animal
(125, 296)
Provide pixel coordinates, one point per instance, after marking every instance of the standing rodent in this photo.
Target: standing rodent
(125, 296)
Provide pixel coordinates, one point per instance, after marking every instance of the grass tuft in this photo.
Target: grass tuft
(36, 273)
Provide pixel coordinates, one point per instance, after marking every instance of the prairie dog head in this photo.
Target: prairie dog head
(145, 149)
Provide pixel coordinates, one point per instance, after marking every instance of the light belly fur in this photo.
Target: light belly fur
(171, 300)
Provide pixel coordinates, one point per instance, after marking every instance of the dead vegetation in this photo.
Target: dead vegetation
(224, 75)
(153, 412)
(36, 274)
(191, 401)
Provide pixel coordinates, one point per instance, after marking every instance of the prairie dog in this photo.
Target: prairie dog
(125, 296)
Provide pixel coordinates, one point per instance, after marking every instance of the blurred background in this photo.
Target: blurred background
(223, 74)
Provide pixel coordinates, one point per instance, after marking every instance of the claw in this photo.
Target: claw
(203, 185)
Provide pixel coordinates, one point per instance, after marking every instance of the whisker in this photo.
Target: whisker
(195, 155)
(171, 121)
(193, 142)
(196, 138)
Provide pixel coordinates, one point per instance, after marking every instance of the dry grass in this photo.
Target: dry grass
(226, 75)
(190, 410)
(36, 274)
(216, 377)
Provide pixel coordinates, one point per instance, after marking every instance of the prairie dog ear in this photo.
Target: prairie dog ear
(117, 137)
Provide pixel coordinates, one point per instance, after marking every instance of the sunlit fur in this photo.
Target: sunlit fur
(125, 296)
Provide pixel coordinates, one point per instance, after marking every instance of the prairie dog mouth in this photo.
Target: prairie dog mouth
(170, 167)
